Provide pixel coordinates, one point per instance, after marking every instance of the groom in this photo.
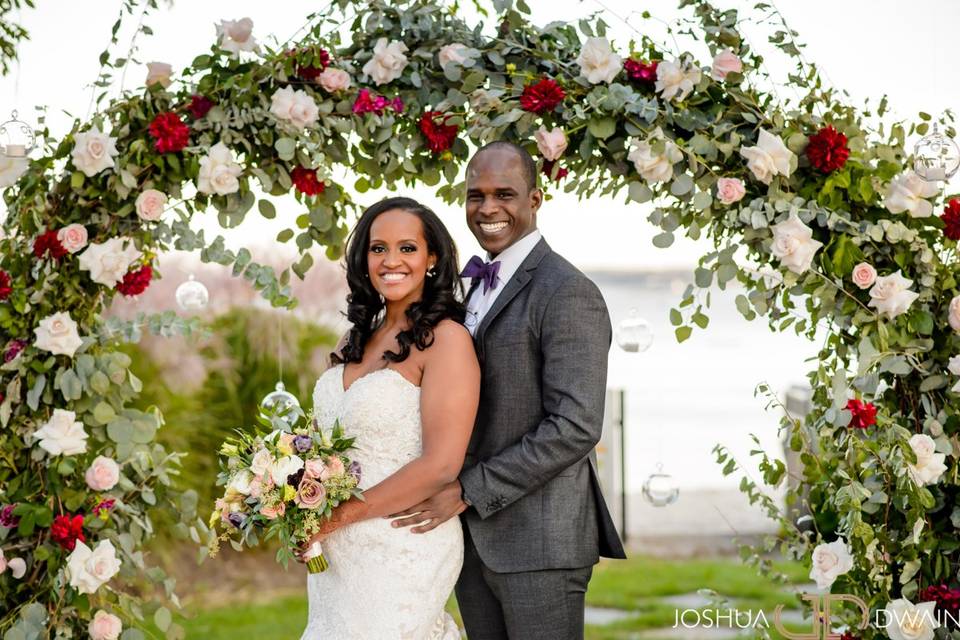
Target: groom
(534, 518)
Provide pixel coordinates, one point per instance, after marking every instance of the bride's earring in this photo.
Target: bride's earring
(430, 272)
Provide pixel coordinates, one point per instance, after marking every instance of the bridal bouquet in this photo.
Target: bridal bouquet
(284, 484)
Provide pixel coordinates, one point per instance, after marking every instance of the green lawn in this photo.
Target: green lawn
(637, 585)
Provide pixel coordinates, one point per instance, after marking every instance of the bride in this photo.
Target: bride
(405, 383)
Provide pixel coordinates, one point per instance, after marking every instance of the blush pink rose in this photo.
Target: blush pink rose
(310, 494)
(334, 79)
(954, 314)
(333, 468)
(551, 144)
(726, 62)
(272, 513)
(103, 474)
(864, 275)
(105, 626)
(150, 204)
(313, 468)
(730, 190)
(73, 237)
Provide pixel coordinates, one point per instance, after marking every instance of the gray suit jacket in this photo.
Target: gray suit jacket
(530, 470)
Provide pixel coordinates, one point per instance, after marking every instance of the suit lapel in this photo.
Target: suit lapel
(515, 285)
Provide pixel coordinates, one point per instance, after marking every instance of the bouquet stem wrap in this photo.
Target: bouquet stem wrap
(316, 562)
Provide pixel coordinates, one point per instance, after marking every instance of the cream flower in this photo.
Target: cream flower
(89, 570)
(73, 237)
(676, 79)
(598, 62)
(241, 482)
(294, 107)
(103, 474)
(62, 434)
(109, 261)
(11, 169)
(907, 192)
(864, 275)
(725, 62)
(907, 621)
(284, 467)
(58, 334)
(159, 73)
(730, 190)
(953, 315)
(105, 626)
(219, 172)
(769, 158)
(334, 80)
(262, 460)
(17, 566)
(829, 562)
(93, 151)
(150, 204)
(652, 166)
(930, 465)
(793, 244)
(388, 61)
(237, 35)
(891, 295)
(954, 367)
(552, 143)
(454, 53)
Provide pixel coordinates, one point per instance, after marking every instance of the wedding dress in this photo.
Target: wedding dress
(383, 583)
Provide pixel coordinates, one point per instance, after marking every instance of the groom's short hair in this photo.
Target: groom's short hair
(528, 166)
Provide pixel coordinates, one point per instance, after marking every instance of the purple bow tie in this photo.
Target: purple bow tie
(479, 270)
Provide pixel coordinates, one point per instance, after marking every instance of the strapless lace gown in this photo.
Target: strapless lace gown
(383, 583)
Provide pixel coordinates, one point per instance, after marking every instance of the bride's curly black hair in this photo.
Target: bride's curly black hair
(442, 293)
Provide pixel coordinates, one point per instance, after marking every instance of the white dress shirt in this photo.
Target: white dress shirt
(510, 260)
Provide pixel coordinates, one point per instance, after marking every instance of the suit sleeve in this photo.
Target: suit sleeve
(574, 341)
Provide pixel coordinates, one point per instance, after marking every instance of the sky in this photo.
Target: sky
(867, 47)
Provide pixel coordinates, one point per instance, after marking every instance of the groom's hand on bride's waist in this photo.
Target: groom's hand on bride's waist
(434, 511)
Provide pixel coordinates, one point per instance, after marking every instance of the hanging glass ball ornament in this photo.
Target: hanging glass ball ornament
(936, 157)
(634, 334)
(17, 137)
(659, 489)
(281, 403)
(192, 295)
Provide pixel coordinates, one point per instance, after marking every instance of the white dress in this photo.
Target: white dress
(383, 583)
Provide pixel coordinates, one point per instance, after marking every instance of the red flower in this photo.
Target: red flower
(542, 97)
(310, 72)
(864, 414)
(548, 171)
(951, 219)
(640, 71)
(947, 599)
(5, 288)
(306, 181)
(849, 636)
(136, 282)
(66, 531)
(440, 136)
(48, 242)
(367, 102)
(200, 106)
(828, 150)
(170, 133)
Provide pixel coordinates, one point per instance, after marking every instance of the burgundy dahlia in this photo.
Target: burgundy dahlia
(951, 219)
(5, 288)
(947, 599)
(440, 136)
(548, 171)
(542, 97)
(48, 242)
(67, 530)
(639, 71)
(14, 347)
(828, 150)
(169, 132)
(136, 282)
(309, 72)
(306, 181)
(7, 519)
(200, 106)
(863, 414)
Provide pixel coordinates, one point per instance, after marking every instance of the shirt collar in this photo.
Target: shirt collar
(513, 256)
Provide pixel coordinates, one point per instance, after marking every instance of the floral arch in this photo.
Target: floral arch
(846, 230)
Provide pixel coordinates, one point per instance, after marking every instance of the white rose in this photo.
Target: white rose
(219, 172)
(295, 107)
(864, 275)
(17, 566)
(285, 466)
(103, 474)
(236, 35)
(769, 158)
(262, 461)
(159, 73)
(93, 151)
(830, 561)
(730, 190)
(551, 144)
(387, 62)
(109, 261)
(333, 80)
(598, 62)
(953, 316)
(150, 204)
(11, 169)
(105, 626)
(455, 53)
(954, 367)
(891, 295)
(930, 465)
(907, 192)
(725, 62)
(241, 482)
(62, 434)
(907, 621)
(793, 244)
(676, 79)
(57, 334)
(89, 570)
(655, 167)
(73, 237)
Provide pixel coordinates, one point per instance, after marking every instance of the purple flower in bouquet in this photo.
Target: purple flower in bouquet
(7, 519)
(302, 443)
(294, 478)
(237, 519)
(354, 470)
